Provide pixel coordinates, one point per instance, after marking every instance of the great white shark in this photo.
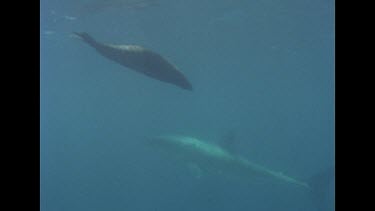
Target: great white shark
(213, 159)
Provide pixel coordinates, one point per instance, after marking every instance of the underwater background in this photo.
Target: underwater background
(262, 70)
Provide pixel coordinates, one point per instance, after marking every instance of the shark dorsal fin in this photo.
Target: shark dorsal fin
(228, 142)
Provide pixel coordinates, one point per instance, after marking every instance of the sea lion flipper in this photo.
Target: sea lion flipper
(85, 37)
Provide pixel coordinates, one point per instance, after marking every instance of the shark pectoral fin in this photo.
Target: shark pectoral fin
(195, 170)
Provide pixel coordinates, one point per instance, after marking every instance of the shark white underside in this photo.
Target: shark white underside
(206, 157)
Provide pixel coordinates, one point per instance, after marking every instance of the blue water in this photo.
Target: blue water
(261, 69)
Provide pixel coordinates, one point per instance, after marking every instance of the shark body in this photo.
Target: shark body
(214, 159)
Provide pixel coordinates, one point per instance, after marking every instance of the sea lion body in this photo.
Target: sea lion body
(141, 60)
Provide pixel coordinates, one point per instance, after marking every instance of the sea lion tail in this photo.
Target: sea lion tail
(85, 37)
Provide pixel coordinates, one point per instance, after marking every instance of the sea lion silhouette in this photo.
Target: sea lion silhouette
(141, 60)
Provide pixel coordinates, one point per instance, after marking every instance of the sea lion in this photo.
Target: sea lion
(141, 60)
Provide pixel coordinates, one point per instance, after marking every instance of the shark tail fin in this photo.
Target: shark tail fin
(320, 185)
(85, 37)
